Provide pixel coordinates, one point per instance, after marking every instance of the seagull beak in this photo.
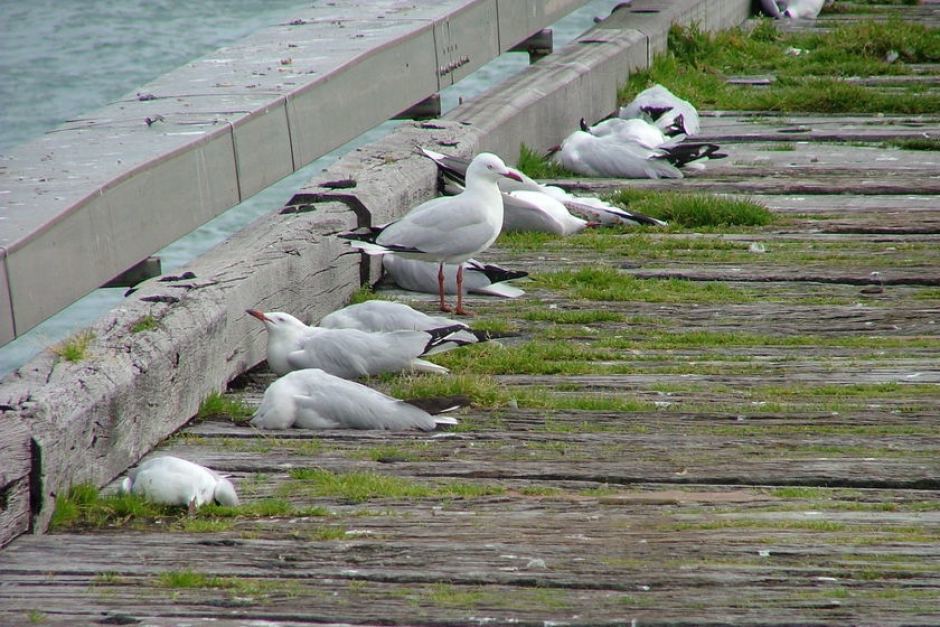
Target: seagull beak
(512, 174)
(257, 314)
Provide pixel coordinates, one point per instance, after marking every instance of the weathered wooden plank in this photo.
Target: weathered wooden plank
(16, 455)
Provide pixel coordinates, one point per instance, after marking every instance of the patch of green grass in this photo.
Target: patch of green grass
(386, 453)
(540, 167)
(609, 284)
(698, 64)
(263, 508)
(572, 316)
(147, 323)
(690, 210)
(328, 533)
(205, 525)
(217, 405)
(75, 348)
(483, 391)
(362, 486)
(779, 147)
(799, 492)
(83, 506)
(915, 143)
(35, 617)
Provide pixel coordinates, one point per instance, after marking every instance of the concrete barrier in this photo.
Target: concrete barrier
(87, 202)
(65, 423)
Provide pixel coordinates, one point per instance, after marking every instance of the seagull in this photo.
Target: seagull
(794, 9)
(611, 156)
(447, 229)
(637, 130)
(479, 278)
(170, 480)
(348, 353)
(314, 399)
(537, 211)
(664, 109)
(452, 170)
(376, 316)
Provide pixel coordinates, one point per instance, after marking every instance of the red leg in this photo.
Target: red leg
(440, 287)
(460, 310)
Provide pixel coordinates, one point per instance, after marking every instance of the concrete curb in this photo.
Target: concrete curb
(66, 423)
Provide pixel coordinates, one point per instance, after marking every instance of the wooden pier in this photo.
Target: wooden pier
(760, 445)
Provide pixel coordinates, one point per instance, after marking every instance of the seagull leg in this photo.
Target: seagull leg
(460, 311)
(440, 287)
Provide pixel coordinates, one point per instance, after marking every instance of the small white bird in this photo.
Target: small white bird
(593, 209)
(314, 399)
(449, 229)
(376, 316)
(170, 480)
(347, 353)
(479, 278)
(664, 109)
(793, 9)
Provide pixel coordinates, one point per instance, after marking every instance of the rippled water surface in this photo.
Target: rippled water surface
(62, 58)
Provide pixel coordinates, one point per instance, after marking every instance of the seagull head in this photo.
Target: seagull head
(488, 166)
(277, 320)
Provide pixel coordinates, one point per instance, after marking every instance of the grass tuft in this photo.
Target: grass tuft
(698, 64)
(147, 323)
(695, 210)
(75, 348)
(362, 486)
(217, 405)
(540, 167)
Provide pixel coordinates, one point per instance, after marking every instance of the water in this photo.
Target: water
(61, 59)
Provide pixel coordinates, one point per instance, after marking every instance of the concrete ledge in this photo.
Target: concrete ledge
(88, 421)
(91, 199)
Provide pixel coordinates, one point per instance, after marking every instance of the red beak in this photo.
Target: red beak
(512, 174)
(257, 314)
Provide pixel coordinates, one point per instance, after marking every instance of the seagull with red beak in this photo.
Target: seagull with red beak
(449, 229)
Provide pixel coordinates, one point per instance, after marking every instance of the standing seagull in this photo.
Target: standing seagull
(348, 353)
(449, 229)
(313, 399)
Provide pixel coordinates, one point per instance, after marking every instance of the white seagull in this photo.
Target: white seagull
(449, 229)
(615, 156)
(478, 278)
(793, 9)
(453, 169)
(664, 109)
(170, 480)
(348, 353)
(376, 316)
(537, 211)
(314, 399)
(634, 129)
(588, 155)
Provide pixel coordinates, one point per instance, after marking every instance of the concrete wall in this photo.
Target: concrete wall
(87, 202)
(65, 423)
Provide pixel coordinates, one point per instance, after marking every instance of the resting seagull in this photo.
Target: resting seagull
(376, 316)
(479, 278)
(453, 169)
(664, 109)
(449, 229)
(170, 480)
(314, 399)
(349, 353)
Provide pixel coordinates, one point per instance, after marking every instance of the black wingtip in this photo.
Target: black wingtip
(498, 274)
(583, 125)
